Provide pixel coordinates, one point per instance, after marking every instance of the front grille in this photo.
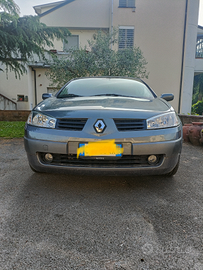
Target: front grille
(130, 124)
(71, 124)
(127, 161)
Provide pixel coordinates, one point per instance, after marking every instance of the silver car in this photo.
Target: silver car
(110, 125)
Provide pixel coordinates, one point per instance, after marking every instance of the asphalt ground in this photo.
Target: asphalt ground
(54, 221)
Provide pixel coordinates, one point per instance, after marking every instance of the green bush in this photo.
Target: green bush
(198, 107)
(195, 97)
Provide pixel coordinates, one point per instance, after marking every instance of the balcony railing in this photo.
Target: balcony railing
(199, 47)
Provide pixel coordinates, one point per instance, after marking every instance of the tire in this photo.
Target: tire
(175, 169)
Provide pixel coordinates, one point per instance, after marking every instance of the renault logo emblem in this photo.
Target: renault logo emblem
(99, 126)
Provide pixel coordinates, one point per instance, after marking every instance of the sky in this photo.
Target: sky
(26, 7)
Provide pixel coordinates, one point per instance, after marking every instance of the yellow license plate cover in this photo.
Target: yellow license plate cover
(105, 148)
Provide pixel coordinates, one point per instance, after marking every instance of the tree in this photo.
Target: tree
(23, 37)
(99, 60)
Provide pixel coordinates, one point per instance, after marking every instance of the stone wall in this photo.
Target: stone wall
(188, 119)
(14, 115)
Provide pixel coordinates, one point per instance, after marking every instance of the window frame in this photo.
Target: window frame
(125, 40)
(199, 46)
(127, 4)
(71, 48)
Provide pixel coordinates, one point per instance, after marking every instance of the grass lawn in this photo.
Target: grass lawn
(12, 129)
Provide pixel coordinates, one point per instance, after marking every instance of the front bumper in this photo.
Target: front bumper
(166, 143)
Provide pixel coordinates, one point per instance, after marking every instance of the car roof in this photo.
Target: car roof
(109, 77)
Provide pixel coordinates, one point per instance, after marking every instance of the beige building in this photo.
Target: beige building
(166, 32)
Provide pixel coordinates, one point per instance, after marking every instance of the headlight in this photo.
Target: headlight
(163, 121)
(41, 120)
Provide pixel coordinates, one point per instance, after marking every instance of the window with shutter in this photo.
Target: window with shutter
(73, 43)
(127, 3)
(126, 37)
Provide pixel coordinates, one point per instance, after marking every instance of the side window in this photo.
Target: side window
(126, 3)
(73, 43)
(126, 37)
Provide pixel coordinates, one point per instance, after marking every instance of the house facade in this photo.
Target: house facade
(166, 32)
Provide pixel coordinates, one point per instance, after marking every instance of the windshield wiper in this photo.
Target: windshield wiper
(69, 96)
(113, 95)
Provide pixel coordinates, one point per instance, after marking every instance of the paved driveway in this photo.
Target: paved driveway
(50, 221)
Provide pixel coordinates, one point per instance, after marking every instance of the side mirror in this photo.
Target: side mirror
(46, 95)
(167, 97)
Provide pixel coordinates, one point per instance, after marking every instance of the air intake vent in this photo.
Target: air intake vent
(125, 161)
(130, 124)
(71, 124)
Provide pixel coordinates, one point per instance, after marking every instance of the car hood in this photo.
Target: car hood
(85, 107)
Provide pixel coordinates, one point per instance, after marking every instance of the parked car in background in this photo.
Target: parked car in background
(111, 125)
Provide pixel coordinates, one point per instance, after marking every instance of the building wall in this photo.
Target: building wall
(158, 31)
(189, 56)
(12, 87)
(42, 84)
(84, 36)
(43, 8)
(159, 26)
(80, 14)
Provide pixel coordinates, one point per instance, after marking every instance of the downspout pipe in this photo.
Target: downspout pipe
(183, 56)
(111, 22)
(35, 85)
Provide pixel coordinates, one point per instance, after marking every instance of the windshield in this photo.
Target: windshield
(105, 87)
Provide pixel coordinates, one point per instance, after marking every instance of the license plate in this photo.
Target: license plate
(106, 148)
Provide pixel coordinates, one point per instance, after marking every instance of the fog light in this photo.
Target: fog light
(152, 159)
(49, 157)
